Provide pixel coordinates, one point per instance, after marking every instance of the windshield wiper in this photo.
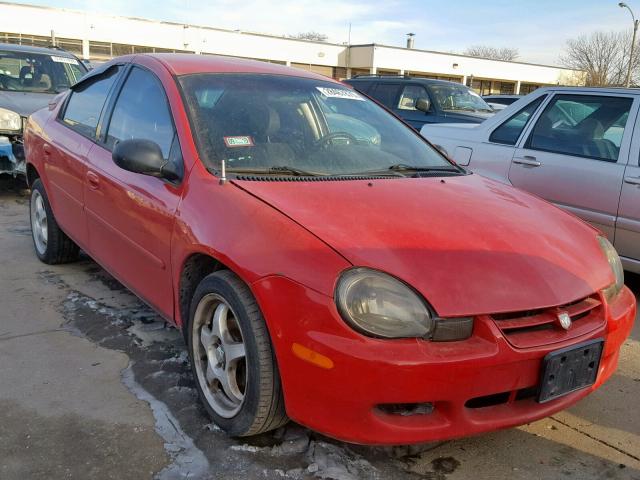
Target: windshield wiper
(403, 167)
(284, 169)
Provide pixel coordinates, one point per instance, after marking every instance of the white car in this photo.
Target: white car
(573, 146)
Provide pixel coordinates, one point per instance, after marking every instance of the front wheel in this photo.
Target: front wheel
(232, 357)
(52, 245)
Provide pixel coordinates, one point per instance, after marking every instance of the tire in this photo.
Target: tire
(242, 395)
(51, 244)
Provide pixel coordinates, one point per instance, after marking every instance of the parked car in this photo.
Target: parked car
(29, 78)
(420, 101)
(499, 102)
(356, 282)
(572, 146)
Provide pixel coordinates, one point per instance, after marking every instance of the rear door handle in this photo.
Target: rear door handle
(632, 180)
(94, 180)
(527, 160)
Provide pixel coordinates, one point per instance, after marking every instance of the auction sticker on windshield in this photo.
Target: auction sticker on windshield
(339, 93)
(70, 61)
(238, 141)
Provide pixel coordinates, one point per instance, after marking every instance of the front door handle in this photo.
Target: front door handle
(632, 180)
(93, 180)
(527, 160)
(46, 149)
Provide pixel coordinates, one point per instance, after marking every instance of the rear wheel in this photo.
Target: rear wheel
(52, 245)
(232, 357)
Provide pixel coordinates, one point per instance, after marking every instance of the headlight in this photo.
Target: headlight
(10, 122)
(616, 267)
(379, 305)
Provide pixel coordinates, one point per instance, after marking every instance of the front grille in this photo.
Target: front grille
(542, 326)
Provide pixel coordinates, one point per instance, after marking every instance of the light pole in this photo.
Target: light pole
(633, 41)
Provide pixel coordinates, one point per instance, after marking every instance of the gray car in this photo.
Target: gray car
(29, 78)
(576, 147)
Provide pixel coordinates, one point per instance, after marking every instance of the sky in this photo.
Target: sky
(538, 29)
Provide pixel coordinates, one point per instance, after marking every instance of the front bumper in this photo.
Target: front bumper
(12, 158)
(342, 400)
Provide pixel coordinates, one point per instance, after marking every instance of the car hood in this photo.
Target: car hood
(24, 103)
(468, 244)
(467, 117)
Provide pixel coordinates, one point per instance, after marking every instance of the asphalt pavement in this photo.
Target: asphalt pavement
(94, 385)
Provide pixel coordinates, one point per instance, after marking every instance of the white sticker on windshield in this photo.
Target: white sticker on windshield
(70, 61)
(339, 93)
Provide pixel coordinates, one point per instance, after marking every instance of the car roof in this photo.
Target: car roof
(587, 90)
(12, 47)
(399, 78)
(189, 63)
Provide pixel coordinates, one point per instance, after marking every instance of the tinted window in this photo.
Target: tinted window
(87, 99)
(385, 93)
(410, 95)
(361, 86)
(141, 111)
(509, 132)
(582, 125)
(258, 123)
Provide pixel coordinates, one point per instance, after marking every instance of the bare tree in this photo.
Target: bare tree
(314, 36)
(603, 56)
(483, 51)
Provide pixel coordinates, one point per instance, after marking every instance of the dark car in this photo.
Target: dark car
(29, 78)
(421, 100)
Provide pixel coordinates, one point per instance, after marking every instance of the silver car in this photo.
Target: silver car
(576, 147)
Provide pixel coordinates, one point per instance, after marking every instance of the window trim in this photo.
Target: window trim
(63, 108)
(542, 99)
(527, 143)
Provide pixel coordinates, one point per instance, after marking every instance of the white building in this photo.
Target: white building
(98, 37)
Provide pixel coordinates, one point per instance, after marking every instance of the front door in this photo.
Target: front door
(572, 156)
(130, 216)
(406, 109)
(65, 153)
(628, 223)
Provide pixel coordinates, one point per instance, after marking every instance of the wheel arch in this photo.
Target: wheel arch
(32, 174)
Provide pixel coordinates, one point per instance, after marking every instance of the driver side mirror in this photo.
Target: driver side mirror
(423, 104)
(145, 157)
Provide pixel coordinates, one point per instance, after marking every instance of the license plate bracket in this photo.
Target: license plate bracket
(569, 369)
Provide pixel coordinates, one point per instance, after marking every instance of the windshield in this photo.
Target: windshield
(458, 97)
(261, 122)
(38, 72)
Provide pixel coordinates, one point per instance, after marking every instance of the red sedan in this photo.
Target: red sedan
(324, 262)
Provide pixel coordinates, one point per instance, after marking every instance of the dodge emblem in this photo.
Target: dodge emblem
(565, 320)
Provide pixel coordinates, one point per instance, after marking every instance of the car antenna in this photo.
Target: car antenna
(223, 173)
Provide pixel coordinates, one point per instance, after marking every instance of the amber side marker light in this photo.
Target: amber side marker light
(310, 356)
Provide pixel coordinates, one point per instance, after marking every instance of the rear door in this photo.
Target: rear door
(627, 240)
(65, 152)
(572, 155)
(386, 93)
(130, 216)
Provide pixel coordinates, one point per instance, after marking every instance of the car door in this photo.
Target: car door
(70, 138)
(385, 93)
(627, 240)
(130, 216)
(405, 107)
(572, 155)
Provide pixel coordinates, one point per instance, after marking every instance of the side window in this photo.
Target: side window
(85, 104)
(410, 95)
(509, 132)
(582, 125)
(141, 111)
(385, 93)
